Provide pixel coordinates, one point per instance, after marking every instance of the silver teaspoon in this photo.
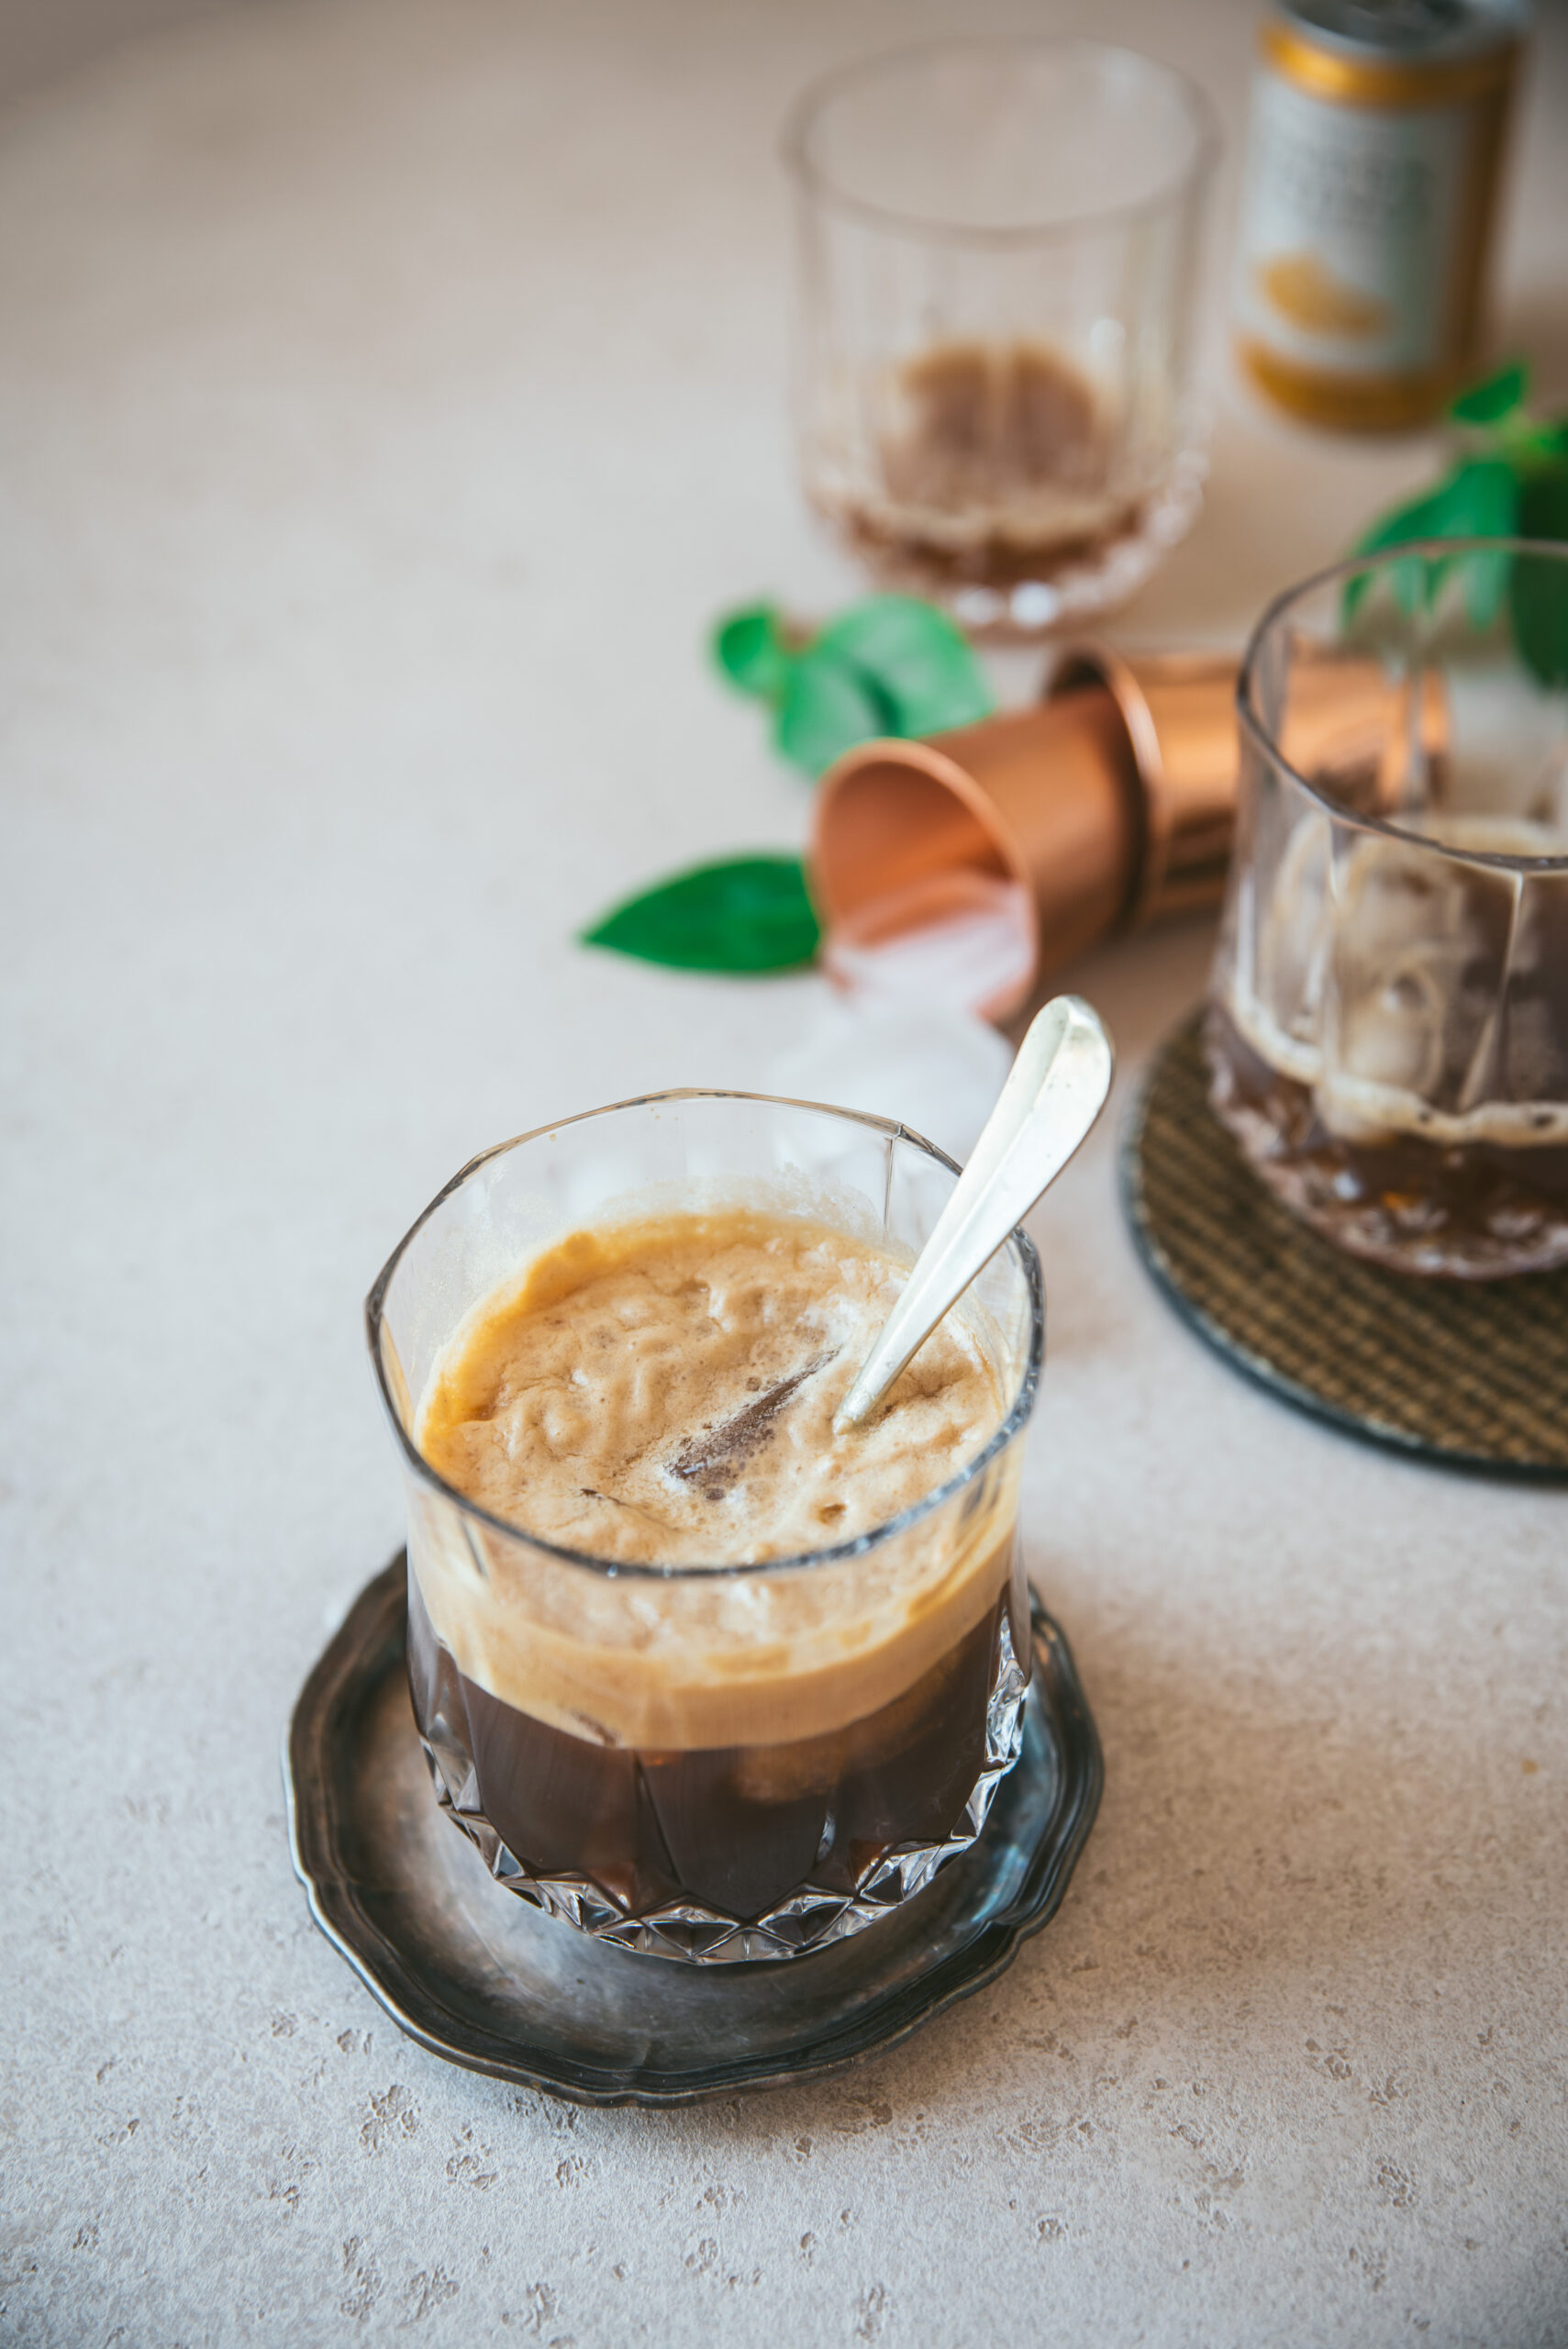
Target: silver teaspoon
(1056, 1090)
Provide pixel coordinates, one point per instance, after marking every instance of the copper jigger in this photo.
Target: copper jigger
(1110, 802)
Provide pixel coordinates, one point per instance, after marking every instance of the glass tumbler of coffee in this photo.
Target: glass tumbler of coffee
(996, 246)
(1389, 1029)
(684, 1682)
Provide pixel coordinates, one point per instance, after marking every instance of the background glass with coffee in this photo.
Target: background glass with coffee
(1388, 1034)
(996, 246)
(713, 1762)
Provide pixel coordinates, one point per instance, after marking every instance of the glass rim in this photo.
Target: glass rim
(615, 1569)
(1250, 720)
(796, 140)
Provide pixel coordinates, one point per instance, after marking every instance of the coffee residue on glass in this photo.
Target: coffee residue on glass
(996, 466)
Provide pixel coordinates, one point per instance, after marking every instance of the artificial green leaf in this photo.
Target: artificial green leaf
(828, 708)
(1490, 401)
(749, 913)
(1538, 600)
(753, 651)
(923, 665)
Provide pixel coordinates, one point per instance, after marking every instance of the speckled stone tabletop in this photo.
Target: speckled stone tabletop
(389, 396)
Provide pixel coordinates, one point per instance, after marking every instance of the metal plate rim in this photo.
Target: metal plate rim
(356, 1655)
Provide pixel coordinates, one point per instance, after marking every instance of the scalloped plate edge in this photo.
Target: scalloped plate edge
(369, 1642)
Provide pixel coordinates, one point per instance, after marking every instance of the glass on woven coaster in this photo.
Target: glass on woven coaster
(1389, 1040)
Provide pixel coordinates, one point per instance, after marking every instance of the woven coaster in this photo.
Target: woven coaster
(1472, 1373)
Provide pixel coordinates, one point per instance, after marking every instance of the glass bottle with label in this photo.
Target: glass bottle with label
(1377, 136)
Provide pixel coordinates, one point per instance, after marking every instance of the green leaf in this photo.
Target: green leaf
(1485, 504)
(1485, 581)
(748, 913)
(1539, 608)
(1412, 520)
(753, 651)
(1519, 487)
(1478, 500)
(1543, 505)
(1528, 445)
(1538, 599)
(921, 664)
(828, 706)
(890, 664)
(1496, 396)
(1483, 500)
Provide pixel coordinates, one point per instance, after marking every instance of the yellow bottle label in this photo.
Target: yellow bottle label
(1351, 232)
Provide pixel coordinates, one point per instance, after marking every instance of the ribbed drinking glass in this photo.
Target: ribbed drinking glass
(1388, 1035)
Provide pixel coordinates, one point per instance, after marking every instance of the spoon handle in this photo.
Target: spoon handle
(1055, 1091)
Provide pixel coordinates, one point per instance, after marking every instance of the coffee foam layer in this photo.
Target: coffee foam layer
(1360, 1109)
(615, 1399)
(566, 1403)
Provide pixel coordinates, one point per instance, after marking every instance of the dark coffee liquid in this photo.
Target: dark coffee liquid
(737, 1829)
(1478, 1208)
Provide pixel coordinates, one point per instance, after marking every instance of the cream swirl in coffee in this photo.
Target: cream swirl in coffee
(663, 1392)
(659, 1394)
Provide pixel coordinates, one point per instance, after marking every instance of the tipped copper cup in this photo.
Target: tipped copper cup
(1108, 803)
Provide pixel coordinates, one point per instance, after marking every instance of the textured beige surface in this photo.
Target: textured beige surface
(388, 395)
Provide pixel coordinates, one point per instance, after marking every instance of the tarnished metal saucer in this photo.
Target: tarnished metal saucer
(477, 1976)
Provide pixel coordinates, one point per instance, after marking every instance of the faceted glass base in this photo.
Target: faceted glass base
(811, 1916)
(1481, 1212)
